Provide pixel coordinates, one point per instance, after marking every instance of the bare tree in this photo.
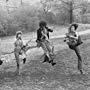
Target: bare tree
(46, 4)
(75, 4)
(69, 5)
(21, 2)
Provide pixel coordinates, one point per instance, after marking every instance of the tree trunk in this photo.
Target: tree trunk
(71, 12)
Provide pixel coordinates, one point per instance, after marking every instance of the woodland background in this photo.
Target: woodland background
(24, 15)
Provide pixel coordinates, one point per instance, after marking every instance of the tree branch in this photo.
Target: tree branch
(65, 2)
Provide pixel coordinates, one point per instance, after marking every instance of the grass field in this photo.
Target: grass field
(38, 76)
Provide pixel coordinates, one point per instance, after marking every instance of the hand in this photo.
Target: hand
(64, 40)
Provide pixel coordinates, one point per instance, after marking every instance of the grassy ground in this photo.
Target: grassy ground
(38, 76)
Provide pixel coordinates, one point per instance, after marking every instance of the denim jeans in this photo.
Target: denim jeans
(76, 49)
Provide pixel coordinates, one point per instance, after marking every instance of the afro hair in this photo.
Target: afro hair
(42, 23)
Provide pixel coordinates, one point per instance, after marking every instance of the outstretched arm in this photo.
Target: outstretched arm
(50, 30)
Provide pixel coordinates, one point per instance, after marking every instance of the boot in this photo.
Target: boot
(81, 71)
(46, 59)
(80, 68)
(1, 62)
(24, 60)
(53, 63)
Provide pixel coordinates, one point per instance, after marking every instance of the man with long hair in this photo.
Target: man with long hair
(43, 41)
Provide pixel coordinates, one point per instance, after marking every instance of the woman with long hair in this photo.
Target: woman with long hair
(74, 40)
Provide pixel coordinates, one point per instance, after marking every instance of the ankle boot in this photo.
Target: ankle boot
(46, 59)
(1, 62)
(24, 60)
(53, 63)
(81, 71)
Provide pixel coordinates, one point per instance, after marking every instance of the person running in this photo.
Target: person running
(43, 41)
(74, 40)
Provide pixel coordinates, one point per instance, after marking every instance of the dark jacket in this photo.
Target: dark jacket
(39, 34)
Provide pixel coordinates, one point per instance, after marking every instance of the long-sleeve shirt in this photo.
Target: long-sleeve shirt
(40, 33)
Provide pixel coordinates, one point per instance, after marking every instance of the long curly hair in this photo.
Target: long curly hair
(75, 26)
(42, 23)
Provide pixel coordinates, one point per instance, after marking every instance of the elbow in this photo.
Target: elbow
(50, 30)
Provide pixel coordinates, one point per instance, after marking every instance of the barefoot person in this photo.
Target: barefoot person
(74, 40)
(43, 41)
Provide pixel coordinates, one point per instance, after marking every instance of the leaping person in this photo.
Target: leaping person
(43, 41)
